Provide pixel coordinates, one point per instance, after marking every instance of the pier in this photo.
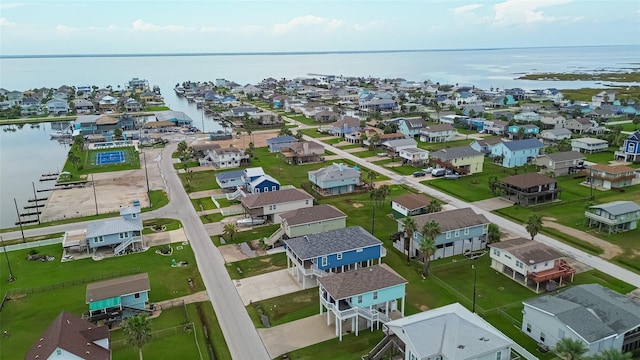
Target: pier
(33, 206)
(26, 222)
(37, 199)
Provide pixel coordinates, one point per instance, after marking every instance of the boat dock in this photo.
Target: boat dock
(38, 199)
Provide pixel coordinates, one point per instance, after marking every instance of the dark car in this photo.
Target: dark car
(419, 174)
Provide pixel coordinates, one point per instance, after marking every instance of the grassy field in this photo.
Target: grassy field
(199, 181)
(87, 162)
(286, 308)
(630, 126)
(165, 224)
(350, 348)
(257, 266)
(633, 76)
(28, 316)
(585, 94)
(313, 133)
(203, 204)
(243, 235)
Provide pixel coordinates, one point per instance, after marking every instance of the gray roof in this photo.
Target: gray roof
(311, 214)
(455, 153)
(558, 132)
(82, 119)
(591, 310)
(117, 287)
(275, 197)
(437, 128)
(451, 331)
(524, 144)
(452, 219)
(528, 251)
(400, 142)
(618, 207)
(364, 280)
(566, 156)
(169, 115)
(235, 174)
(281, 140)
(331, 242)
(113, 226)
(415, 123)
(334, 172)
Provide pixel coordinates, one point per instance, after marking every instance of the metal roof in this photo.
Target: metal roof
(455, 153)
(361, 281)
(331, 242)
(523, 144)
(618, 207)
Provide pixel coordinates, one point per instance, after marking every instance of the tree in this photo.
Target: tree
(434, 206)
(138, 331)
(534, 225)
(493, 184)
(410, 227)
(428, 243)
(74, 159)
(284, 130)
(182, 147)
(78, 141)
(371, 176)
(249, 132)
(373, 141)
(636, 121)
(230, 231)
(612, 354)
(493, 235)
(117, 134)
(472, 113)
(520, 133)
(570, 349)
(363, 137)
(385, 191)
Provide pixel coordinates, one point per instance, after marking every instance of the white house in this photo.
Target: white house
(414, 155)
(437, 133)
(227, 157)
(589, 145)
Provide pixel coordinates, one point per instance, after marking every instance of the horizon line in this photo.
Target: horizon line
(310, 52)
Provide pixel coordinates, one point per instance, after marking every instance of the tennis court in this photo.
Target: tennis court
(110, 157)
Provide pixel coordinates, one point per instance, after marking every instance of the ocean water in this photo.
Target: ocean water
(26, 153)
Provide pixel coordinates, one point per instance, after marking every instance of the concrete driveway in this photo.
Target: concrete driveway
(493, 203)
(296, 335)
(266, 286)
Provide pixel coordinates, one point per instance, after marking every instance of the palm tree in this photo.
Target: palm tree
(493, 235)
(230, 231)
(534, 225)
(612, 354)
(373, 141)
(434, 206)
(428, 243)
(371, 176)
(385, 191)
(138, 331)
(570, 349)
(410, 227)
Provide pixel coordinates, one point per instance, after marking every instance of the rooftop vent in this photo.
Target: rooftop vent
(460, 346)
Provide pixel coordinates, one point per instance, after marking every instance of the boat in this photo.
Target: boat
(61, 134)
(250, 222)
(179, 90)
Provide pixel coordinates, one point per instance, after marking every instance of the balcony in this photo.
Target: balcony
(560, 270)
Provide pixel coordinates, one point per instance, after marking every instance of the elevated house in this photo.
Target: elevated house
(132, 105)
(496, 127)
(317, 255)
(272, 203)
(437, 133)
(335, 179)
(530, 188)
(303, 152)
(411, 127)
(107, 104)
(409, 205)
(461, 231)
(83, 106)
(414, 156)
(579, 125)
(609, 177)
(119, 298)
(228, 157)
(561, 163)
(346, 126)
(57, 106)
(264, 183)
(450, 332)
(598, 317)
(462, 159)
(517, 152)
(393, 147)
(486, 145)
(589, 145)
(528, 116)
(531, 263)
(528, 130)
(630, 150)
(553, 121)
(615, 216)
(311, 220)
(370, 294)
(70, 337)
(552, 136)
(178, 118)
(121, 234)
(230, 180)
(276, 143)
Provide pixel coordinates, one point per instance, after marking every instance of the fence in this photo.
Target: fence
(32, 244)
(20, 292)
(4, 299)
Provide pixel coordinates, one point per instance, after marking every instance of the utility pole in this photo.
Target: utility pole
(475, 274)
(95, 198)
(373, 218)
(35, 198)
(146, 174)
(19, 220)
(11, 277)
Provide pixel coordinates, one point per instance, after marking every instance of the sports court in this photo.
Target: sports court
(109, 157)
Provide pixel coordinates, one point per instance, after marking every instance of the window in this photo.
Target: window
(528, 327)
(448, 234)
(375, 295)
(560, 333)
(58, 352)
(359, 299)
(542, 336)
(339, 256)
(99, 239)
(496, 252)
(359, 250)
(457, 233)
(273, 188)
(507, 256)
(518, 264)
(137, 295)
(499, 355)
(324, 261)
(466, 231)
(306, 202)
(124, 235)
(134, 216)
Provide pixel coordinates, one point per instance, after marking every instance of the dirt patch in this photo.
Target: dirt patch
(357, 205)
(610, 250)
(422, 307)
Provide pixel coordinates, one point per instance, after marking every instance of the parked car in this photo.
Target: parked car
(428, 170)
(452, 176)
(419, 174)
(438, 172)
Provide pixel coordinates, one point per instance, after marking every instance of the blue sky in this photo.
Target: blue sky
(158, 26)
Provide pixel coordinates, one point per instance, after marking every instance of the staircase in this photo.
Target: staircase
(236, 194)
(136, 310)
(123, 246)
(274, 237)
(389, 342)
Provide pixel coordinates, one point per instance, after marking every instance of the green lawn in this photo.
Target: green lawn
(257, 266)
(190, 164)
(367, 153)
(28, 316)
(443, 145)
(160, 223)
(243, 235)
(350, 146)
(405, 169)
(88, 164)
(602, 157)
(201, 204)
(351, 347)
(223, 202)
(286, 308)
(211, 218)
(313, 133)
(333, 141)
(203, 315)
(199, 181)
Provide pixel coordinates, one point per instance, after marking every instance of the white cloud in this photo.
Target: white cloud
(307, 21)
(140, 25)
(370, 25)
(65, 30)
(525, 12)
(11, 5)
(466, 8)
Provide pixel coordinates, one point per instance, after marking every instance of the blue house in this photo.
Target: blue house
(630, 150)
(529, 130)
(516, 152)
(276, 143)
(369, 294)
(87, 124)
(313, 256)
(118, 298)
(461, 231)
(262, 184)
(124, 233)
(335, 179)
(411, 127)
(230, 179)
(251, 174)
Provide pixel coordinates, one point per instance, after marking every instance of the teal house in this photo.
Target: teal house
(529, 130)
(370, 294)
(119, 298)
(517, 152)
(335, 179)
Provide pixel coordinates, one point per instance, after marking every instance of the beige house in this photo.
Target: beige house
(463, 159)
(272, 203)
(312, 220)
(608, 177)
